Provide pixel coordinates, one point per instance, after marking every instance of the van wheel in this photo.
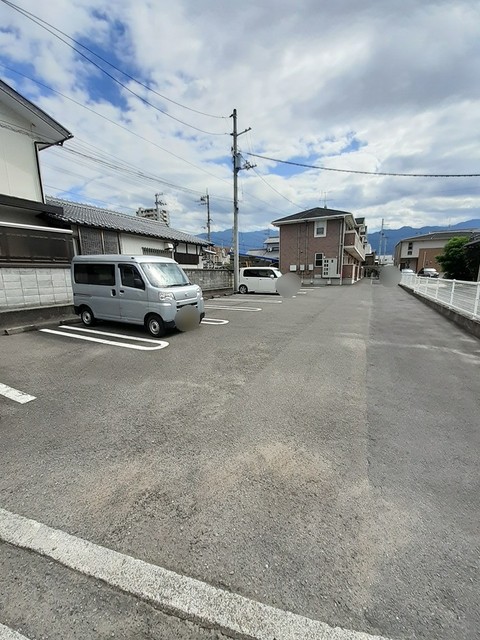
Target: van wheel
(242, 288)
(87, 317)
(155, 326)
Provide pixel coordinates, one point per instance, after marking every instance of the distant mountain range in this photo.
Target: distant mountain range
(254, 239)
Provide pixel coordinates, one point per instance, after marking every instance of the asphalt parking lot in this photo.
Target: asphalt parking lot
(317, 454)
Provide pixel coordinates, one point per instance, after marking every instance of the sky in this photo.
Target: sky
(376, 86)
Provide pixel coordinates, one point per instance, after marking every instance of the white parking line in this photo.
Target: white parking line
(214, 321)
(159, 344)
(14, 394)
(190, 599)
(113, 335)
(261, 301)
(232, 308)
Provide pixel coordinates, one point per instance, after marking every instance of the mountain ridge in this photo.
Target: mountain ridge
(254, 239)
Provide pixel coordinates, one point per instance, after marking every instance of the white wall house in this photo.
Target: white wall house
(34, 258)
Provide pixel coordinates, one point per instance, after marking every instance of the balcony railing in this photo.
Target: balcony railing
(354, 245)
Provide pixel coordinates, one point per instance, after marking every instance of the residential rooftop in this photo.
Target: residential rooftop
(91, 216)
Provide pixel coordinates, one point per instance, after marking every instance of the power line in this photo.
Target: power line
(38, 21)
(265, 181)
(130, 170)
(370, 173)
(114, 123)
(179, 104)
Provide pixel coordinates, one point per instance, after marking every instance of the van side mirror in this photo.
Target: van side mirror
(272, 276)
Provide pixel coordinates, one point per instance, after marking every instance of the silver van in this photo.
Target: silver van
(143, 290)
(258, 280)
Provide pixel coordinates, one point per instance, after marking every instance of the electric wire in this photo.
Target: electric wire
(369, 173)
(100, 68)
(117, 125)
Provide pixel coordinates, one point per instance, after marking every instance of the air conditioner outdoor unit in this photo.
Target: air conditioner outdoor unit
(169, 246)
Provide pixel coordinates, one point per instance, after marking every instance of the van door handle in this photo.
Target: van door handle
(121, 291)
(114, 293)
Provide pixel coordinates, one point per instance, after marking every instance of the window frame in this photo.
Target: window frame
(322, 221)
(319, 266)
(89, 268)
(135, 271)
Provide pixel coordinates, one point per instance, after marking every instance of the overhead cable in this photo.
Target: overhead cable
(368, 173)
(38, 21)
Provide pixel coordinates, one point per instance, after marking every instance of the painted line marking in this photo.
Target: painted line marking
(138, 347)
(15, 394)
(9, 634)
(214, 321)
(175, 594)
(232, 308)
(113, 335)
(252, 299)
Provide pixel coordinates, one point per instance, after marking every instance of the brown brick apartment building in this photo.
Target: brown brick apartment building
(323, 245)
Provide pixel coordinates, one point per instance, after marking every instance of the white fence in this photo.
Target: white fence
(462, 296)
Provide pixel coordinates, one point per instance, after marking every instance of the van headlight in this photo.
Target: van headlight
(166, 296)
(198, 290)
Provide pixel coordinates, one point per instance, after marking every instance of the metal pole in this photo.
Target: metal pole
(235, 203)
(208, 216)
(477, 300)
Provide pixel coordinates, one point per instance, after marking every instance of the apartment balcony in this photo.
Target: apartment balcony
(354, 245)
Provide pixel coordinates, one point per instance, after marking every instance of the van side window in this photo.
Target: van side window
(99, 274)
(130, 277)
(250, 273)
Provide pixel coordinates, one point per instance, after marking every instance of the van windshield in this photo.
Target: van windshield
(164, 274)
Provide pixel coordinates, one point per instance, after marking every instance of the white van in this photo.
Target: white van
(143, 290)
(258, 280)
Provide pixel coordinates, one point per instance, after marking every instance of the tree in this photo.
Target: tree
(473, 259)
(454, 260)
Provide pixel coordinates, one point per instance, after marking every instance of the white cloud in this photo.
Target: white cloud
(308, 77)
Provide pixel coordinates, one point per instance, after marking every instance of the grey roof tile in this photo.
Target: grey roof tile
(88, 215)
(309, 214)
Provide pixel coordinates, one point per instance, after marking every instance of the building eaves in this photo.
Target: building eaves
(312, 214)
(90, 216)
(27, 109)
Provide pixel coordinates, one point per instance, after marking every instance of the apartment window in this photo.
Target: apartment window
(410, 249)
(319, 260)
(320, 228)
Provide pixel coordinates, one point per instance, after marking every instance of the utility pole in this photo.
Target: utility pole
(237, 166)
(382, 243)
(206, 201)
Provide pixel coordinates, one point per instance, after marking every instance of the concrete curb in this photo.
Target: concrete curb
(174, 594)
(467, 324)
(10, 331)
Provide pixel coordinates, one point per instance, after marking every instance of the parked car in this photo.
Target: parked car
(427, 272)
(408, 272)
(143, 290)
(258, 279)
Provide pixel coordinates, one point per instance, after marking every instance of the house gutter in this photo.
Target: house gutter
(341, 249)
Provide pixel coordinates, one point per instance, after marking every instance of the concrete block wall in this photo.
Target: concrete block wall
(22, 287)
(211, 279)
